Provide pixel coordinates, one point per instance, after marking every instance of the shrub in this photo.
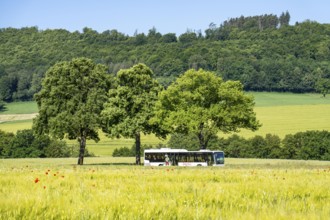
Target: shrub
(74, 151)
(26, 144)
(2, 106)
(57, 148)
(126, 152)
(307, 145)
(5, 140)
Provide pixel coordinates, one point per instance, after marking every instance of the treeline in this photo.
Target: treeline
(251, 23)
(264, 52)
(309, 145)
(26, 144)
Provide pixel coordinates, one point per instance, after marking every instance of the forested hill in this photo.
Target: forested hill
(264, 52)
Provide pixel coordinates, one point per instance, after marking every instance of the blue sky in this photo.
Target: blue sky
(167, 16)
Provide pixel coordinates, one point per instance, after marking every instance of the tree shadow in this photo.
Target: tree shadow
(110, 164)
(3, 108)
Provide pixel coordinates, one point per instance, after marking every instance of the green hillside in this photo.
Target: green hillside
(263, 52)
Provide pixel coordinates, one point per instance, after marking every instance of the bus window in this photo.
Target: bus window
(219, 158)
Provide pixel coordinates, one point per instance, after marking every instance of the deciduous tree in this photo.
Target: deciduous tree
(71, 100)
(323, 86)
(130, 105)
(199, 102)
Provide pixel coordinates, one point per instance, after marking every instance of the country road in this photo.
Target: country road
(16, 117)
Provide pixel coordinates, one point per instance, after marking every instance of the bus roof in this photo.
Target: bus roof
(164, 150)
(169, 150)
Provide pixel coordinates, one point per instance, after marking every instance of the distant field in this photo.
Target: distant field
(20, 108)
(14, 126)
(279, 113)
(282, 120)
(272, 99)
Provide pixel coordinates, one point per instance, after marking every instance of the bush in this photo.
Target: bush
(307, 145)
(5, 140)
(26, 144)
(2, 106)
(74, 151)
(57, 149)
(191, 142)
(123, 152)
(126, 152)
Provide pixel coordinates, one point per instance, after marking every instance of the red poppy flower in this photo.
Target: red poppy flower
(36, 180)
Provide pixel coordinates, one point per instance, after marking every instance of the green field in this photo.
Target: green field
(279, 113)
(20, 108)
(104, 189)
(271, 99)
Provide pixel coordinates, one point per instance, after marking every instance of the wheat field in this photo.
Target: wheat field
(102, 189)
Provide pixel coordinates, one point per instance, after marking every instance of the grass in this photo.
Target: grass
(283, 120)
(273, 99)
(104, 189)
(14, 126)
(20, 108)
(99, 162)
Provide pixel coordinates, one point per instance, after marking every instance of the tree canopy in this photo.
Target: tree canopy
(201, 103)
(71, 100)
(130, 105)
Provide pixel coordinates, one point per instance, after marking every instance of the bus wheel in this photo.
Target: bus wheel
(199, 165)
(160, 165)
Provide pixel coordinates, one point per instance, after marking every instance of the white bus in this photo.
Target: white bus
(182, 157)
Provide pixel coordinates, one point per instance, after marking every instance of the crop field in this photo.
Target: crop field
(103, 189)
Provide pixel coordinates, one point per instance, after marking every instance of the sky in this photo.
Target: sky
(139, 16)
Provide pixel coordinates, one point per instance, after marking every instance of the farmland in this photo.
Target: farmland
(104, 189)
(111, 188)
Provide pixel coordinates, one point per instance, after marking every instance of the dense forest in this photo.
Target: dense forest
(264, 52)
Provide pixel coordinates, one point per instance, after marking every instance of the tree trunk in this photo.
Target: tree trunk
(201, 138)
(82, 142)
(137, 148)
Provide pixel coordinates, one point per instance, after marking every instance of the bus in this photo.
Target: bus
(183, 157)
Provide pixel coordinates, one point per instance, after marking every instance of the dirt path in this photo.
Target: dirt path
(16, 117)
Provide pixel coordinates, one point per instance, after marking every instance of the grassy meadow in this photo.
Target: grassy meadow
(107, 188)
(20, 108)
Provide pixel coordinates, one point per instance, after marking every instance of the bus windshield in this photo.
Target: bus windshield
(219, 158)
